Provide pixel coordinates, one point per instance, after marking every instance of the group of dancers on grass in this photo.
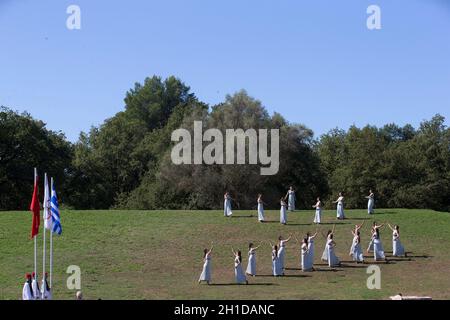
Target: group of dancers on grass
(307, 253)
(290, 206)
(307, 243)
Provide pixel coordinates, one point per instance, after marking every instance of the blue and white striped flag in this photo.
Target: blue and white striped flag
(56, 220)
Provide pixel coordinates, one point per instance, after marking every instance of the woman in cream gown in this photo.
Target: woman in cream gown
(397, 248)
(238, 273)
(333, 260)
(311, 247)
(260, 208)
(206, 272)
(306, 262)
(370, 202)
(291, 198)
(276, 266)
(251, 265)
(283, 213)
(372, 230)
(282, 250)
(340, 207)
(357, 253)
(355, 231)
(378, 251)
(318, 214)
(327, 237)
(227, 205)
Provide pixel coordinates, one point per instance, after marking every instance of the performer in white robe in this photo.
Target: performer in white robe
(227, 205)
(306, 262)
(251, 266)
(318, 214)
(46, 292)
(397, 248)
(35, 287)
(340, 207)
(357, 253)
(333, 260)
(311, 247)
(355, 231)
(282, 250)
(206, 272)
(238, 273)
(283, 213)
(327, 237)
(371, 202)
(276, 265)
(27, 292)
(378, 250)
(291, 198)
(372, 230)
(260, 209)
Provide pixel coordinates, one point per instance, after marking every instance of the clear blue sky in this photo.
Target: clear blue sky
(315, 62)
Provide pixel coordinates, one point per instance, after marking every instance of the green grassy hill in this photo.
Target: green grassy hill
(158, 255)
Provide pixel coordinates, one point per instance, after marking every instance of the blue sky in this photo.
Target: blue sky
(315, 62)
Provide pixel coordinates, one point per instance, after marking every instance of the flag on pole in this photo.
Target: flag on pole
(56, 221)
(35, 208)
(47, 215)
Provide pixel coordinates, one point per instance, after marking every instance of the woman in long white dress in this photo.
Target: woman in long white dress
(291, 198)
(306, 262)
(378, 251)
(397, 248)
(318, 214)
(206, 272)
(251, 266)
(370, 202)
(357, 253)
(276, 265)
(260, 208)
(283, 213)
(340, 207)
(227, 205)
(311, 247)
(238, 273)
(355, 231)
(333, 260)
(282, 250)
(327, 237)
(372, 230)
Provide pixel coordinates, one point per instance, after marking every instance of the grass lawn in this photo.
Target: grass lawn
(158, 255)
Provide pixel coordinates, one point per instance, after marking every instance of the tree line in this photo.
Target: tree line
(125, 162)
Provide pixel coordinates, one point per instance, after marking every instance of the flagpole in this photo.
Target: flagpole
(51, 246)
(45, 205)
(35, 240)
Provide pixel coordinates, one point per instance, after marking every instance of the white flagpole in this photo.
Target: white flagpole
(51, 245)
(44, 216)
(35, 240)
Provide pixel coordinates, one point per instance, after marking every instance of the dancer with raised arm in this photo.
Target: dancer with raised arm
(327, 237)
(333, 260)
(311, 246)
(397, 248)
(291, 198)
(340, 207)
(372, 230)
(227, 204)
(206, 272)
(378, 251)
(306, 262)
(251, 266)
(357, 252)
(260, 208)
(370, 202)
(282, 250)
(283, 213)
(318, 214)
(276, 266)
(354, 231)
(238, 273)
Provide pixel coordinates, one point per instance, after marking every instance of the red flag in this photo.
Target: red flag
(35, 209)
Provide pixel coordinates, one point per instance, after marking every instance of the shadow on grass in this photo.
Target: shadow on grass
(327, 270)
(243, 284)
(237, 217)
(297, 276)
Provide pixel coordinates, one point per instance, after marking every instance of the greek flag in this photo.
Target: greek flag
(55, 212)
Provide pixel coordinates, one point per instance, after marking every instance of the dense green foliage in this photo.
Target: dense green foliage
(125, 162)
